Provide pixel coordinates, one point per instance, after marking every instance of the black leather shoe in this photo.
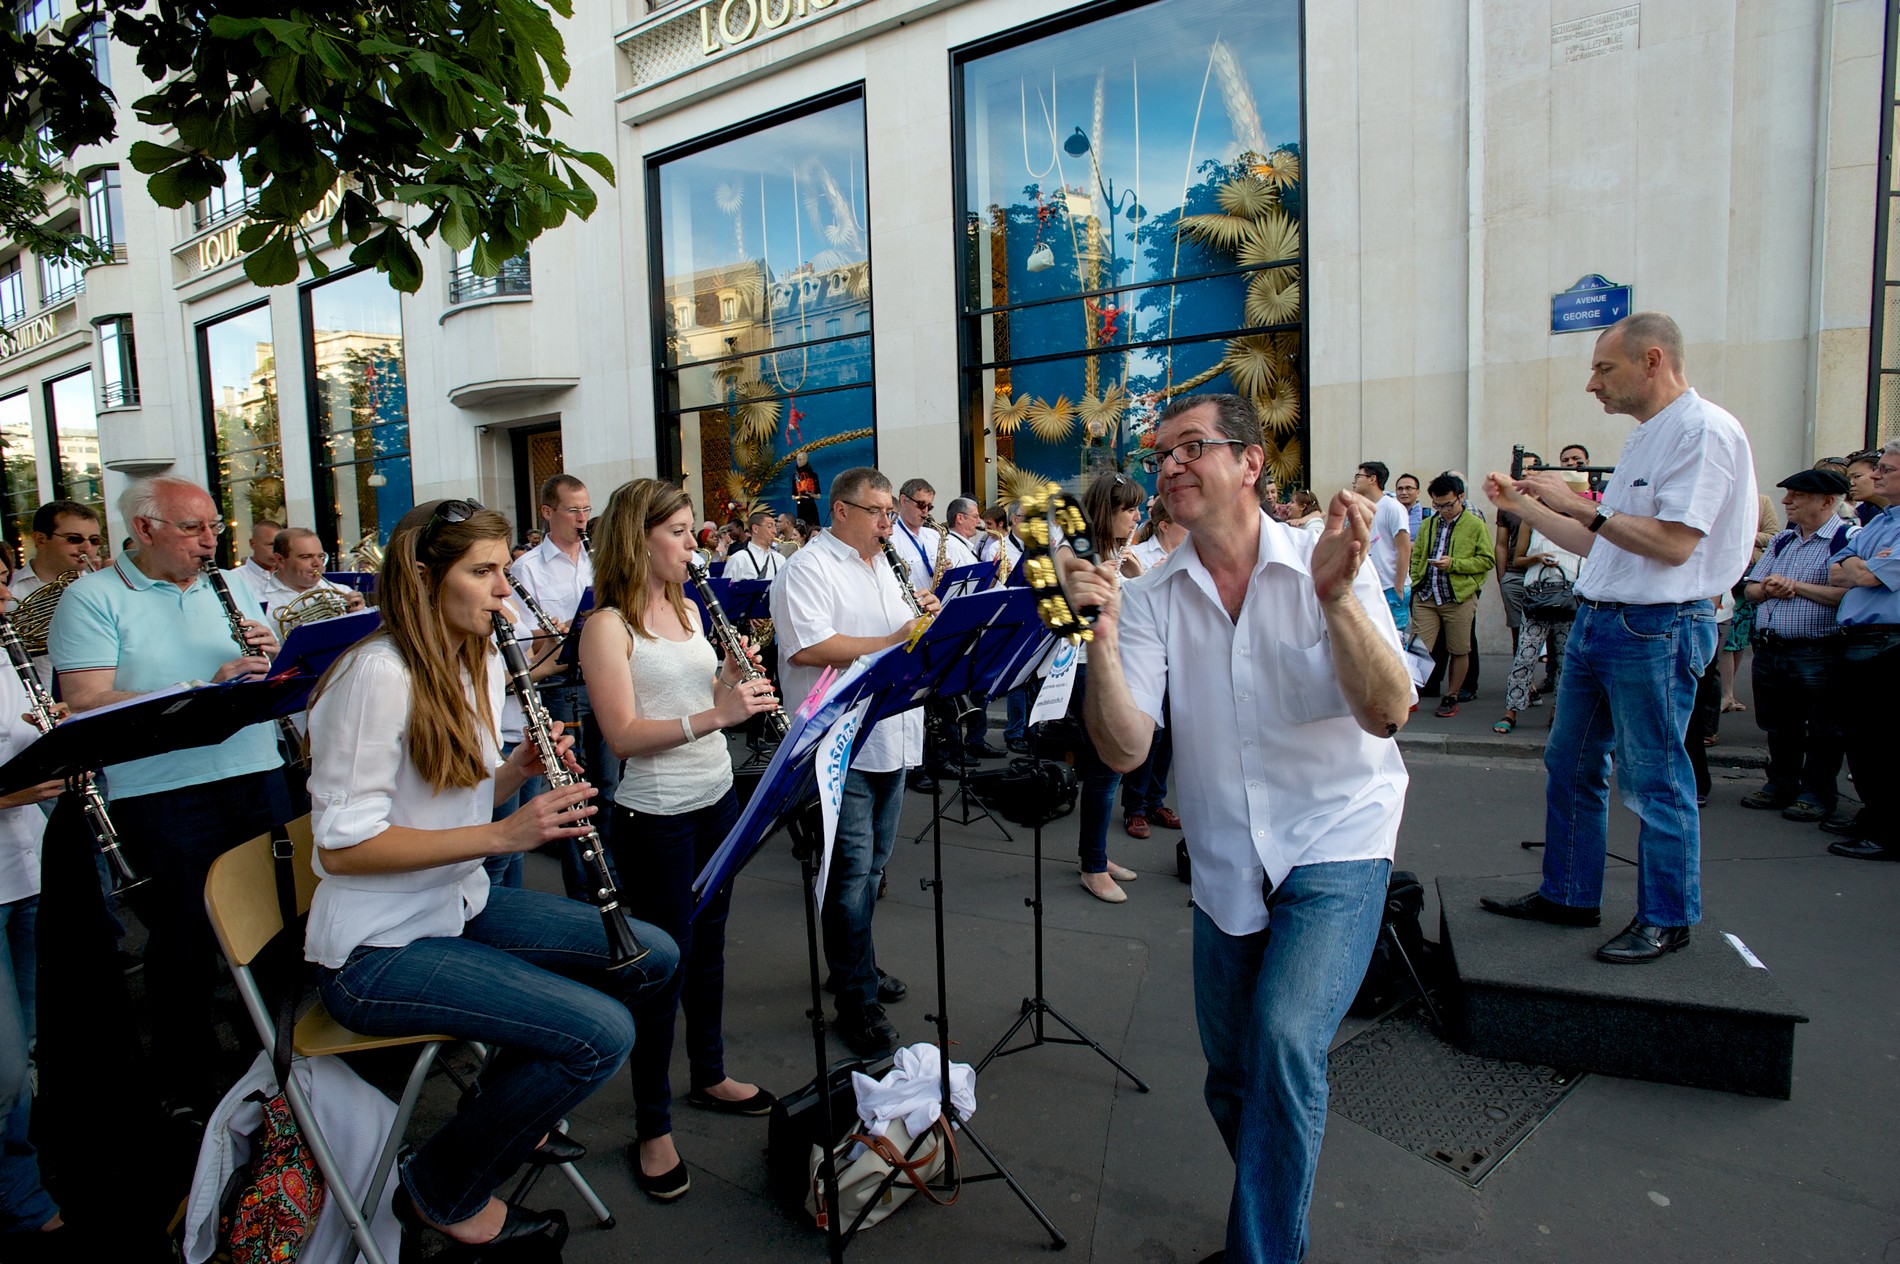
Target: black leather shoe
(557, 1149)
(544, 1228)
(921, 781)
(1804, 812)
(1861, 849)
(1766, 801)
(890, 988)
(1018, 746)
(1535, 908)
(1643, 942)
(760, 1103)
(982, 750)
(665, 1187)
(1842, 822)
(867, 1033)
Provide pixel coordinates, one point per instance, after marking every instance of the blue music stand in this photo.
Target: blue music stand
(964, 580)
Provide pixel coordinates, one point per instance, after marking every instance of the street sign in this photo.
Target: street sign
(1594, 302)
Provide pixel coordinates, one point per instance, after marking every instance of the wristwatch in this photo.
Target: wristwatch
(1603, 516)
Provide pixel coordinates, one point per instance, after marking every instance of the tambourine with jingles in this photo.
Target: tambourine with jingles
(1051, 517)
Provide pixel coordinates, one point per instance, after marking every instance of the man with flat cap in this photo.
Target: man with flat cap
(1797, 649)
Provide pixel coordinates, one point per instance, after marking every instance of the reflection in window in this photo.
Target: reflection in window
(30, 15)
(60, 280)
(21, 465)
(105, 210)
(243, 431)
(99, 40)
(465, 284)
(73, 424)
(765, 241)
(1131, 210)
(233, 197)
(353, 333)
(12, 292)
(118, 364)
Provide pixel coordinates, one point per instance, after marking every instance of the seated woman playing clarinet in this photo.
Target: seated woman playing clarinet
(410, 937)
(663, 702)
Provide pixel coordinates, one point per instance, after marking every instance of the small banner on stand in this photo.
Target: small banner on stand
(833, 761)
(1052, 702)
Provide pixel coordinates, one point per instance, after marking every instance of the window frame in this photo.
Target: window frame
(120, 346)
(214, 479)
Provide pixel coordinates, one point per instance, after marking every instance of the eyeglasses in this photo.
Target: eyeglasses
(1186, 453)
(889, 515)
(187, 526)
(450, 512)
(75, 539)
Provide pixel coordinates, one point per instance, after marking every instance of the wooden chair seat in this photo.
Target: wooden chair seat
(318, 1034)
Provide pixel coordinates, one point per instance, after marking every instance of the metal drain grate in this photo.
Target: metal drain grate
(1463, 1113)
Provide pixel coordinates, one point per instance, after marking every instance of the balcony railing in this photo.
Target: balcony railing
(64, 294)
(513, 279)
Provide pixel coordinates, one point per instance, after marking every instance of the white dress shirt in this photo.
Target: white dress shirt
(1389, 519)
(556, 580)
(959, 553)
(919, 551)
(22, 828)
(276, 594)
(1690, 463)
(752, 562)
(1149, 552)
(256, 576)
(827, 590)
(1270, 767)
(362, 781)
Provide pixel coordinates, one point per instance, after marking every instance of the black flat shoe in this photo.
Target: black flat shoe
(1535, 908)
(665, 1187)
(1861, 849)
(559, 1148)
(760, 1103)
(1642, 942)
(521, 1227)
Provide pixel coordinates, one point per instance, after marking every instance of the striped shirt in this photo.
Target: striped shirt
(1805, 561)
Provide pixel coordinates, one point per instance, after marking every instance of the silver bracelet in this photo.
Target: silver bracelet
(686, 727)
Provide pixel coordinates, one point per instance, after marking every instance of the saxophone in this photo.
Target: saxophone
(942, 563)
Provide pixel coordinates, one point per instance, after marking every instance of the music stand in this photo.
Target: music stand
(963, 582)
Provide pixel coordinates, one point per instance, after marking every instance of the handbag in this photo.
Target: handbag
(1551, 597)
(797, 1127)
(866, 1177)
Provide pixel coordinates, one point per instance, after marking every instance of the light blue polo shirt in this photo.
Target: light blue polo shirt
(155, 635)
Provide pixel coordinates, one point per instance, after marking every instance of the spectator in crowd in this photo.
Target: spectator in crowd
(1405, 491)
(1741, 628)
(1448, 570)
(1305, 512)
(1538, 560)
(1844, 509)
(1796, 647)
(1391, 548)
(1862, 490)
(1507, 537)
(788, 539)
(1575, 457)
(1869, 668)
(1270, 499)
(1145, 790)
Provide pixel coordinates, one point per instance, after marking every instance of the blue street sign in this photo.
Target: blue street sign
(1594, 302)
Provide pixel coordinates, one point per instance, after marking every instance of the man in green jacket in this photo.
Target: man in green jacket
(1450, 559)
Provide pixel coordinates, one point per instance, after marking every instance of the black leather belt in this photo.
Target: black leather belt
(1633, 605)
(1775, 640)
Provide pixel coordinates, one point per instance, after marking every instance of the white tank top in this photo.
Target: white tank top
(671, 679)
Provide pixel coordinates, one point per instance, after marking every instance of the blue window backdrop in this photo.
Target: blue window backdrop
(359, 401)
(243, 434)
(1131, 220)
(22, 468)
(762, 311)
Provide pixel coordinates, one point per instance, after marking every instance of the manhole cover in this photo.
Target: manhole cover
(1422, 1094)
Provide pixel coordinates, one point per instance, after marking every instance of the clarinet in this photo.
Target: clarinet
(123, 877)
(534, 607)
(293, 741)
(539, 728)
(728, 637)
(902, 570)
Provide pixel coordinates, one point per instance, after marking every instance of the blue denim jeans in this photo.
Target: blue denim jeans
(529, 977)
(1628, 685)
(1146, 788)
(568, 703)
(1399, 601)
(24, 1203)
(662, 855)
(867, 830)
(1097, 798)
(506, 870)
(1268, 1005)
(1017, 705)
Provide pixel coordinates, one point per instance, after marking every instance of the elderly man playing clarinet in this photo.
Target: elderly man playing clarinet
(1281, 646)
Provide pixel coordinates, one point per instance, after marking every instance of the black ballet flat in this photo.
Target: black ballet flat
(522, 1228)
(559, 1148)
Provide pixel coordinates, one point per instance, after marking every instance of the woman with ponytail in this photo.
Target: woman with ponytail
(663, 702)
(409, 936)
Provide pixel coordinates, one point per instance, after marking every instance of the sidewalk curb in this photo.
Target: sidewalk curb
(1509, 748)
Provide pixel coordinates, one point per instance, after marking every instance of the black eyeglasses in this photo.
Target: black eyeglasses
(75, 539)
(1186, 453)
(889, 515)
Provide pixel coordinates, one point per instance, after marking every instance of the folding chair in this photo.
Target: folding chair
(241, 900)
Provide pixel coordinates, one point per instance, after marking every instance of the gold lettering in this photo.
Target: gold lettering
(28, 335)
(726, 32)
(822, 4)
(798, 8)
(710, 44)
(784, 15)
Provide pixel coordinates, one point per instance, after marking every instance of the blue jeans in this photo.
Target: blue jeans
(1018, 703)
(1628, 684)
(1146, 788)
(24, 1204)
(568, 703)
(1400, 603)
(506, 870)
(1268, 1004)
(528, 976)
(662, 855)
(1097, 798)
(867, 830)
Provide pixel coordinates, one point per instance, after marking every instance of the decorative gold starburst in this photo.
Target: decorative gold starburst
(1273, 238)
(1273, 297)
(1281, 168)
(1284, 459)
(1006, 416)
(1052, 422)
(1013, 482)
(1279, 405)
(1252, 364)
(1247, 197)
(1101, 416)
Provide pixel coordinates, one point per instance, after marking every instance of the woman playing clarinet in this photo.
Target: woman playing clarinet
(410, 937)
(663, 701)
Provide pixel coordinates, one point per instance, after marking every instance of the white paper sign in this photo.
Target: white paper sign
(1053, 701)
(831, 762)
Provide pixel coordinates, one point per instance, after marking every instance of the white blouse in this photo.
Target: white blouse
(362, 781)
(672, 679)
(21, 829)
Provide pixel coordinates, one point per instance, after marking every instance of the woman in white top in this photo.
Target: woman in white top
(1541, 560)
(409, 934)
(663, 701)
(1305, 512)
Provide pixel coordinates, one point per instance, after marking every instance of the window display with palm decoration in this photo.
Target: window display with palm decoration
(1131, 231)
(763, 310)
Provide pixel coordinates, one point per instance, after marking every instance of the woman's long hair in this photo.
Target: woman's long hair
(623, 570)
(1107, 494)
(445, 732)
